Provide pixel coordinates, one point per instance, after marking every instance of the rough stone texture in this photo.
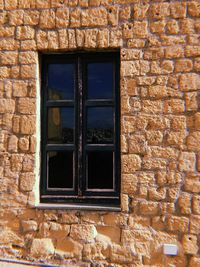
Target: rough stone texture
(160, 132)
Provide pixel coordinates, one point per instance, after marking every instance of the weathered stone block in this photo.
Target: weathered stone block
(42, 247)
(27, 181)
(86, 233)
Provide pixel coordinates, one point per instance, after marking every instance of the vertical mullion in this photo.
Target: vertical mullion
(80, 125)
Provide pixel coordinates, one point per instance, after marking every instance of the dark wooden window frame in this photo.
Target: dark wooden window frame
(80, 195)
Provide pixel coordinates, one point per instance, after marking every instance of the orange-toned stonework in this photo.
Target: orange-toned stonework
(159, 43)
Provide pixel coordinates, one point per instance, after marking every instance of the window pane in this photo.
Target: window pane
(60, 169)
(100, 125)
(61, 81)
(100, 80)
(60, 125)
(100, 169)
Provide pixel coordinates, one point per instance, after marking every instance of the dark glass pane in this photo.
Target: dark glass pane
(100, 80)
(61, 81)
(60, 125)
(100, 169)
(100, 125)
(60, 169)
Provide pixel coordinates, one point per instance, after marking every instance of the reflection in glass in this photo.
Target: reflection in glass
(60, 125)
(60, 169)
(100, 125)
(100, 80)
(61, 81)
(100, 169)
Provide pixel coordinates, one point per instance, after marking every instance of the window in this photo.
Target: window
(80, 128)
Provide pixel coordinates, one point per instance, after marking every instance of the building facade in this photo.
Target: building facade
(157, 202)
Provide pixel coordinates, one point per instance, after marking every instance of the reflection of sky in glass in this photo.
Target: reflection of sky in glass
(61, 81)
(101, 117)
(100, 80)
(67, 115)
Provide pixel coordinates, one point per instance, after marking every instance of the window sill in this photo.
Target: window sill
(76, 207)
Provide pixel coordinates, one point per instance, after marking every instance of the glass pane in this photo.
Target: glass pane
(100, 125)
(60, 125)
(60, 169)
(61, 81)
(100, 80)
(100, 169)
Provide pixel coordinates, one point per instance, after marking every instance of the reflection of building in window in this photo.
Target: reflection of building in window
(54, 118)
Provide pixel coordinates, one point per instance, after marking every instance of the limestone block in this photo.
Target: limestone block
(194, 9)
(122, 255)
(16, 162)
(63, 38)
(184, 203)
(187, 161)
(91, 38)
(124, 202)
(52, 37)
(130, 163)
(4, 72)
(94, 17)
(129, 184)
(197, 64)
(25, 32)
(16, 17)
(140, 11)
(130, 68)
(195, 224)
(196, 204)
(154, 164)
(71, 38)
(115, 38)
(190, 82)
(149, 208)
(190, 245)
(172, 26)
(113, 15)
(160, 152)
(183, 65)
(28, 71)
(157, 194)
(137, 144)
(124, 13)
(43, 3)
(192, 183)
(174, 52)
(26, 106)
(159, 10)
(47, 19)
(178, 10)
(27, 181)
(112, 232)
(27, 124)
(28, 57)
(9, 58)
(157, 26)
(86, 233)
(192, 141)
(31, 17)
(23, 144)
(41, 39)
(191, 101)
(154, 137)
(26, 4)
(7, 105)
(12, 143)
(9, 237)
(75, 18)
(152, 106)
(103, 38)
(180, 224)
(62, 17)
(194, 262)
(29, 226)
(42, 248)
(11, 4)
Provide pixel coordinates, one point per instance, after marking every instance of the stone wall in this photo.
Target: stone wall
(160, 132)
